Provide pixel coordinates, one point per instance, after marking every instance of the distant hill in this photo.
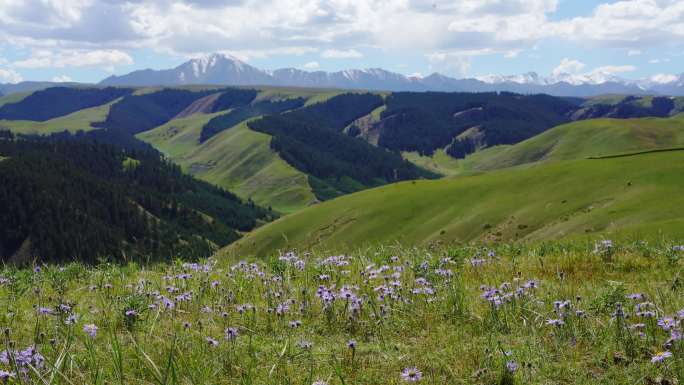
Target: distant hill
(59, 101)
(636, 196)
(288, 148)
(225, 70)
(67, 198)
(583, 139)
(31, 86)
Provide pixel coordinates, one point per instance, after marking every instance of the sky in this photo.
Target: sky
(88, 40)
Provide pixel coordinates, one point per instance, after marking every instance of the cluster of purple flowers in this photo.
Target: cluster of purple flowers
(292, 258)
(22, 360)
(506, 292)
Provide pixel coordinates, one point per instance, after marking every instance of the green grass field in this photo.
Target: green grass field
(553, 313)
(237, 159)
(74, 122)
(532, 202)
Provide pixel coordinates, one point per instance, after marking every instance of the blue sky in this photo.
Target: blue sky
(88, 40)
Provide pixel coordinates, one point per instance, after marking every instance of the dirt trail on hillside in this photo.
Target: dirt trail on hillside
(199, 106)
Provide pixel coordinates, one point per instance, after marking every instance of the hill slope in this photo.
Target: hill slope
(81, 120)
(583, 139)
(570, 198)
(237, 159)
(76, 199)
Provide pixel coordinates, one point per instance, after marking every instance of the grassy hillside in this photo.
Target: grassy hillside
(237, 159)
(78, 121)
(13, 98)
(542, 201)
(583, 139)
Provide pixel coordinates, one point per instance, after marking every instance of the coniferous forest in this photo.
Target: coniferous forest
(79, 199)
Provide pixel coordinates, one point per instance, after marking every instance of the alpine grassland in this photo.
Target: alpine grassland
(636, 195)
(559, 312)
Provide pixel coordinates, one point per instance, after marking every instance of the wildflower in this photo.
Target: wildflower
(215, 284)
(304, 344)
(320, 382)
(635, 296)
(660, 357)
(36, 269)
(295, 324)
(168, 304)
(511, 366)
(44, 311)
(667, 323)
(212, 342)
(187, 325)
(71, 319)
(131, 313)
(90, 329)
(231, 333)
(555, 322)
(5, 375)
(411, 374)
(351, 344)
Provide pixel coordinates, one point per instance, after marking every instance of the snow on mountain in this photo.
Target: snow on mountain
(222, 69)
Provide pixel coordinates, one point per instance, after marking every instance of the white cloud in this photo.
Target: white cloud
(453, 63)
(74, 58)
(256, 29)
(341, 54)
(10, 76)
(664, 78)
(573, 72)
(61, 79)
(612, 70)
(568, 66)
(312, 65)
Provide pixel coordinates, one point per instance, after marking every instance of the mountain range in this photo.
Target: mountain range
(226, 70)
(219, 69)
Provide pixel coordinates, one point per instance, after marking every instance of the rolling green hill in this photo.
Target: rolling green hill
(542, 201)
(237, 159)
(588, 138)
(81, 120)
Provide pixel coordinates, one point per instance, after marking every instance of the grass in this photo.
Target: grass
(458, 315)
(589, 138)
(13, 98)
(74, 122)
(638, 194)
(237, 159)
(440, 162)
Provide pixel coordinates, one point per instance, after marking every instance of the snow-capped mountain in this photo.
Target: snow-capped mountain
(222, 69)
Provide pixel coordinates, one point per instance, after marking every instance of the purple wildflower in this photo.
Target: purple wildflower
(555, 322)
(212, 342)
(90, 329)
(351, 344)
(411, 374)
(5, 375)
(232, 333)
(660, 357)
(511, 366)
(71, 319)
(667, 323)
(45, 311)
